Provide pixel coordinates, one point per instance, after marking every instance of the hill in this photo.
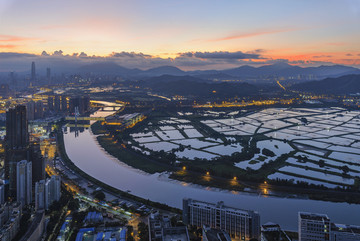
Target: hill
(191, 86)
(348, 84)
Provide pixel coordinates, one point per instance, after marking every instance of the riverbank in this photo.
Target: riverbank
(148, 165)
(129, 157)
(62, 153)
(87, 154)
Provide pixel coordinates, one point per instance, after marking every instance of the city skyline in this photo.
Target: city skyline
(180, 120)
(211, 35)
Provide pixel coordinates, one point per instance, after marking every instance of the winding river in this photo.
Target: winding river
(89, 156)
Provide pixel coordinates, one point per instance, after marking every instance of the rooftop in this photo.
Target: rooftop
(272, 231)
(175, 233)
(221, 205)
(215, 234)
(345, 228)
(314, 216)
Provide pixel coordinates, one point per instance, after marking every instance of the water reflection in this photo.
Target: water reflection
(86, 153)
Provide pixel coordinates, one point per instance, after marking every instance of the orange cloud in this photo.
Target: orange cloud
(7, 46)
(11, 38)
(252, 34)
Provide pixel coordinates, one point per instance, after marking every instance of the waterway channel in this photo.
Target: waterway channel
(90, 157)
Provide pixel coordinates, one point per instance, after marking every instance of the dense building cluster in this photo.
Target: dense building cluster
(24, 183)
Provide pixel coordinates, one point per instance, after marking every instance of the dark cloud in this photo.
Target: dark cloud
(60, 62)
(257, 51)
(83, 55)
(44, 53)
(187, 54)
(221, 55)
(129, 55)
(15, 55)
(58, 53)
(322, 56)
(349, 55)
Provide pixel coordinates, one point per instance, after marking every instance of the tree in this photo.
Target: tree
(304, 120)
(143, 231)
(345, 169)
(173, 221)
(268, 152)
(99, 195)
(73, 205)
(129, 233)
(321, 163)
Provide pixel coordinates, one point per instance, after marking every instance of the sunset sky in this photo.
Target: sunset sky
(214, 32)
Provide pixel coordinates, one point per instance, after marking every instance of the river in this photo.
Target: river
(90, 157)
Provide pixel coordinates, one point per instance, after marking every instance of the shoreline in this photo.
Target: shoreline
(124, 194)
(193, 178)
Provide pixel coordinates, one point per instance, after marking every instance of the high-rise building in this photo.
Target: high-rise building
(40, 195)
(52, 190)
(57, 103)
(34, 110)
(82, 103)
(24, 182)
(240, 224)
(64, 104)
(33, 72)
(48, 75)
(17, 128)
(314, 227)
(2, 194)
(50, 103)
(13, 79)
(39, 110)
(38, 162)
(30, 110)
(17, 141)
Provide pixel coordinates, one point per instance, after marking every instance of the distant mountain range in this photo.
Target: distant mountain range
(245, 73)
(188, 85)
(348, 84)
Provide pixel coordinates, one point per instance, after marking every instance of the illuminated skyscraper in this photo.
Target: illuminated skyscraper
(40, 195)
(24, 182)
(17, 128)
(52, 190)
(33, 72)
(13, 79)
(30, 110)
(48, 75)
(17, 141)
